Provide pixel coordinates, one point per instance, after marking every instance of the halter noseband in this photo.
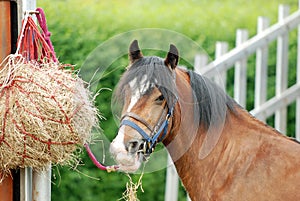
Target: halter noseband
(150, 140)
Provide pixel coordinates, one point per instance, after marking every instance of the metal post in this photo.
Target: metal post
(26, 184)
(41, 185)
(25, 173)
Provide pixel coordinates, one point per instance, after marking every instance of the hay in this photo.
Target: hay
(130, 194)
(45, 114)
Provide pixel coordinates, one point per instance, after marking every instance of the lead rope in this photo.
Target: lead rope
(99, 165)
(46, 34)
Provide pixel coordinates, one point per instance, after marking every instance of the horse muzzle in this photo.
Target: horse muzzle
(127, 158)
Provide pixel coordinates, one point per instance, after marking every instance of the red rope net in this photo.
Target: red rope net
(45, 110)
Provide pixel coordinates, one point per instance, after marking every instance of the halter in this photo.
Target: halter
(150, 140)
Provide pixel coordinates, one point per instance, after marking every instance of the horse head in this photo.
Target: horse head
(147, 95)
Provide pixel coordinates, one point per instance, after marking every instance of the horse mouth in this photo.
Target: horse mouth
(131, 164)
(126, 161)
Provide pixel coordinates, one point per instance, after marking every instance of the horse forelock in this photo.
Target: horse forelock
(142, 76)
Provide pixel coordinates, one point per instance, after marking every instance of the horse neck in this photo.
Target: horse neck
(184, 150)
(240, 135)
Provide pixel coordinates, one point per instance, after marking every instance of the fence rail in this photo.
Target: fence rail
(250, 46)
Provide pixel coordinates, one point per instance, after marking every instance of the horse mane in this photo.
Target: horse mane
(212, 103)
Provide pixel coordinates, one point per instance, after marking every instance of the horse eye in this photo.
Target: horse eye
(160, 98)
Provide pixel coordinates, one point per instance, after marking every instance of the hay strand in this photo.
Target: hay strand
(130, 194)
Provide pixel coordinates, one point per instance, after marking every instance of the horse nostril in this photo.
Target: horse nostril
(132, 146)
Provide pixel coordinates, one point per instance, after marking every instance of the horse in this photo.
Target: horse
(220, 151)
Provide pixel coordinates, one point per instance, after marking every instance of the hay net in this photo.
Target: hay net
(46, 112)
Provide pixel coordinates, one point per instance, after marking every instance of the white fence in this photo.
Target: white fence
(237, 58)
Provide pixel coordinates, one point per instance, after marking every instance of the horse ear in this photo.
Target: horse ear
(172, 57)
(134, 51)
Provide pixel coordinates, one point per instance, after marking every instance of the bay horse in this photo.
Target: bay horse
(220, 151)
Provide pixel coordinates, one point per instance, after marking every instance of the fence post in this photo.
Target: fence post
(221, 77)
(261, 70)
(282, 70)
(171, 193)
(240, 74)
(200, 61)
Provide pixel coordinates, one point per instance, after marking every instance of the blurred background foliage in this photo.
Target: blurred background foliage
(78, 27)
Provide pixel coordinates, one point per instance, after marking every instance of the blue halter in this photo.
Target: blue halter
(150, 141)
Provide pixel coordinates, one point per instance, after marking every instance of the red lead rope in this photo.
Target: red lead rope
(46, 34)
(99, 165)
